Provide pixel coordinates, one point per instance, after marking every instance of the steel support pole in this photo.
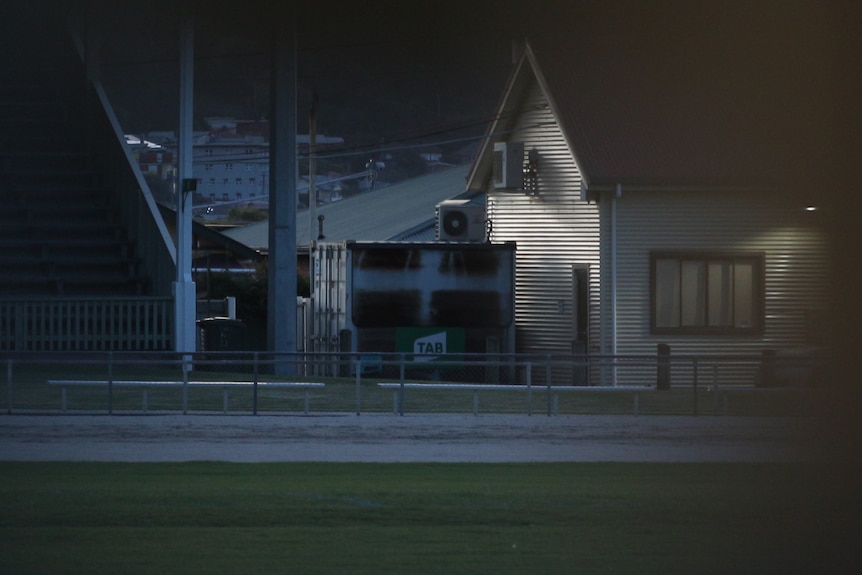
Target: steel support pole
(281, 312)
(184, 287)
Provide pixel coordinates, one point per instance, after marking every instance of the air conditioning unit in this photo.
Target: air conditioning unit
(509, 165)
(460, 221)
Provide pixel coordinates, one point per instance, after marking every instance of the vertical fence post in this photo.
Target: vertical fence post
(548, 383)
(529, 389)
(715, 389)
(9, 397)
(663, 367)
(110, 383)
(255, 372)
(694, 383)
(401, 371)
(185, 385)
(358, 388)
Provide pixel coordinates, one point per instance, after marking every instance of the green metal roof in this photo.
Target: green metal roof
(378, 215)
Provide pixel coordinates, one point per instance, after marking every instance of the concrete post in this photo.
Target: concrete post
(281, 318)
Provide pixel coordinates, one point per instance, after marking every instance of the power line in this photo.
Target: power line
(425, 144)
(359, 149)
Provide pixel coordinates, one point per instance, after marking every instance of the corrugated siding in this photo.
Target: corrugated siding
(796, 268)
(330, 289)
(554, 231)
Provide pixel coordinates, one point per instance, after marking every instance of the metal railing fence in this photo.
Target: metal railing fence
(263, 382)
(85, 324)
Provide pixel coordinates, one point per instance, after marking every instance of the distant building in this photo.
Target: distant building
(231, 159)
(154, 159)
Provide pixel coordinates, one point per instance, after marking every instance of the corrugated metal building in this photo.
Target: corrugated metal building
(650, 207)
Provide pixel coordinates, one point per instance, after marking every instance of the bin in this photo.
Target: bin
(221, 334)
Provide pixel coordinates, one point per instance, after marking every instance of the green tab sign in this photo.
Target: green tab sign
(428, 343)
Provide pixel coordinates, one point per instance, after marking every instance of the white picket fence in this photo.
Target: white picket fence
(86, 324)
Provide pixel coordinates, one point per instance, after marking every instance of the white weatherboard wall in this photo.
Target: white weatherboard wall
(554, 231)
(796, 269)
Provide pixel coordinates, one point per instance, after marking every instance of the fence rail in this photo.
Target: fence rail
(112, 382)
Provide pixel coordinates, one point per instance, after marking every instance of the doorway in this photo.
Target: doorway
(580, 323)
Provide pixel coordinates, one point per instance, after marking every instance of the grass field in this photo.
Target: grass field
(217, 518)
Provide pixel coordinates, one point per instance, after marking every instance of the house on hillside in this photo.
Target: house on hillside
(650, 205)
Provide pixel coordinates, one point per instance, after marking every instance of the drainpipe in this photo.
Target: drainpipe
(618, 193)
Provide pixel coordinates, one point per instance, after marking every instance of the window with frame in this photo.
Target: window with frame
(707, 293)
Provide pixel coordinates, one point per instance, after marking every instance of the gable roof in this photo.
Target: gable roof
(670, 115)
(649, 124)
(383, 214)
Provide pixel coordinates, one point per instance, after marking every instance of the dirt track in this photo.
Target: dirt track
(387, 438)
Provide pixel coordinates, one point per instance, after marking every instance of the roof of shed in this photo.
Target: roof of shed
(383, 214)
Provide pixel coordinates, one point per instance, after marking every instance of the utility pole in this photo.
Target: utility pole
(184, 286)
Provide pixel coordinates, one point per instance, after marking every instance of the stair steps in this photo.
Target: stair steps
(60, 234)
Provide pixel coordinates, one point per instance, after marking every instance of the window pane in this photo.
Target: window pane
(743, 290)
(666, 293)
(693, 293)
(720, 294)
(704, 293)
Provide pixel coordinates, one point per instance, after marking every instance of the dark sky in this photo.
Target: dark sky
(380, 70)
(406, 71)
(433, 72)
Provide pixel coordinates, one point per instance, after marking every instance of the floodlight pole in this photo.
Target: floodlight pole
(184, 286)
